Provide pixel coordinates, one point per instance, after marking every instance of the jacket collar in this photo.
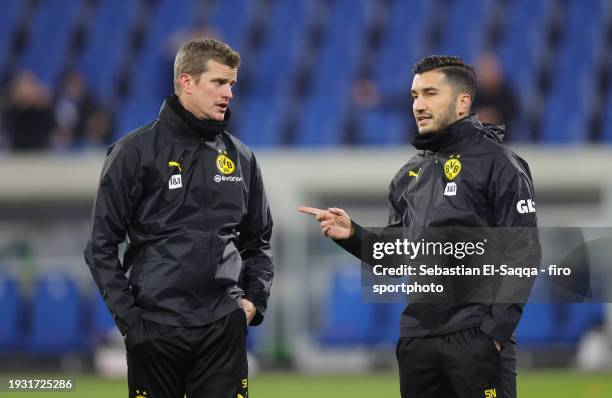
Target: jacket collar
(182, 122)
(457, 135)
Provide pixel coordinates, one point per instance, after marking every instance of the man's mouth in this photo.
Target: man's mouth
(222, 107)
(421, 118)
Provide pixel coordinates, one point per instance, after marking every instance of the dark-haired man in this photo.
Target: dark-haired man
(454, 349)
(190, 198)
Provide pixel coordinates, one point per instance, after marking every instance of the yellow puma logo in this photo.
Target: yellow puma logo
(412, 173)
(177, 164)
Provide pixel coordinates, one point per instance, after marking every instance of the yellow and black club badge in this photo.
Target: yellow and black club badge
(452, 167)
(225, 164)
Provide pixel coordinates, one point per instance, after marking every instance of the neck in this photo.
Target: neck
(206, 127)
(189, 108)
(447, 138)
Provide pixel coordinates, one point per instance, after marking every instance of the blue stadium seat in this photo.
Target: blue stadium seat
(11, 10)
(11, 333)
(347, 321)
(56, 325)
(152, 79)
(107, 45)
(571, 99)
(136, 113)
(278, 56)
(260, 116)
(559, 323)
(51, 27)
(464, 29)
(404, 45)
(524, 42)
(383, 126)
(386, 323)
(102, 321)
(231, 19)
(607, 122)
(522, 49)
(536, 325)
(263, 109)
(325, 110)
(583, 317)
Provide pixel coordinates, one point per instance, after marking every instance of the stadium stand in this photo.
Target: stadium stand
(107, 46)
(56, 322)
(347, 320)
(49, 43)
(552, 51)
(102, 322)
(11, 314)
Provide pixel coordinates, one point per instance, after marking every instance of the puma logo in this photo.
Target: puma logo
(413, 173)
(175, 164)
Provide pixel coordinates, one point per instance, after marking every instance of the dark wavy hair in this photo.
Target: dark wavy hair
(460, 75)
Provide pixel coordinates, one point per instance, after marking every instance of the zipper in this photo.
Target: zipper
(202, 167)
(431, 191)
(209, 249)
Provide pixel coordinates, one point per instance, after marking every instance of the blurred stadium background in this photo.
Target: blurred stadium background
(323, 98)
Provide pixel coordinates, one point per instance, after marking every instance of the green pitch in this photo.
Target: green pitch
(557, 384)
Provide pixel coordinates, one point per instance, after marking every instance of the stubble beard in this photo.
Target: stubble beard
(447, 118)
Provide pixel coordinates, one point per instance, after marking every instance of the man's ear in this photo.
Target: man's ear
(464, 103)
(186, 82)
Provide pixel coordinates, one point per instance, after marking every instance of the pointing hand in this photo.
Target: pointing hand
(334, 222)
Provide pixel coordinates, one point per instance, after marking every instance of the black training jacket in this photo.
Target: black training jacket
(493, 188)
(194, 209)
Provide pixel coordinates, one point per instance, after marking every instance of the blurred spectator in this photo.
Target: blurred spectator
(495, 101)
(365, 94)
(27, 119)
(366, 97)
(73, 107)
(97, 130)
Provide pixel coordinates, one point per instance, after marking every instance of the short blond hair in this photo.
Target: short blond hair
(193, 56)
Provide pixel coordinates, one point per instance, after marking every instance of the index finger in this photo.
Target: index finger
(310, 210)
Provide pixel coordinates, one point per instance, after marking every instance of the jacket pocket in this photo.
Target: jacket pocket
(142, 290)
(488, 340)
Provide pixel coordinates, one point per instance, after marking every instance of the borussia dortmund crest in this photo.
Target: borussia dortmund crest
(225, 164)
(452, 167)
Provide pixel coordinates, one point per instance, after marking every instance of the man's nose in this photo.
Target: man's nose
(418, 104)
(227, 92)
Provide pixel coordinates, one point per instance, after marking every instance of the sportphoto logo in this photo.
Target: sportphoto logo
(219, 178)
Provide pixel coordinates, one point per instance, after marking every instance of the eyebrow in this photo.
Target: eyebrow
(425, 90)
(224, 80)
